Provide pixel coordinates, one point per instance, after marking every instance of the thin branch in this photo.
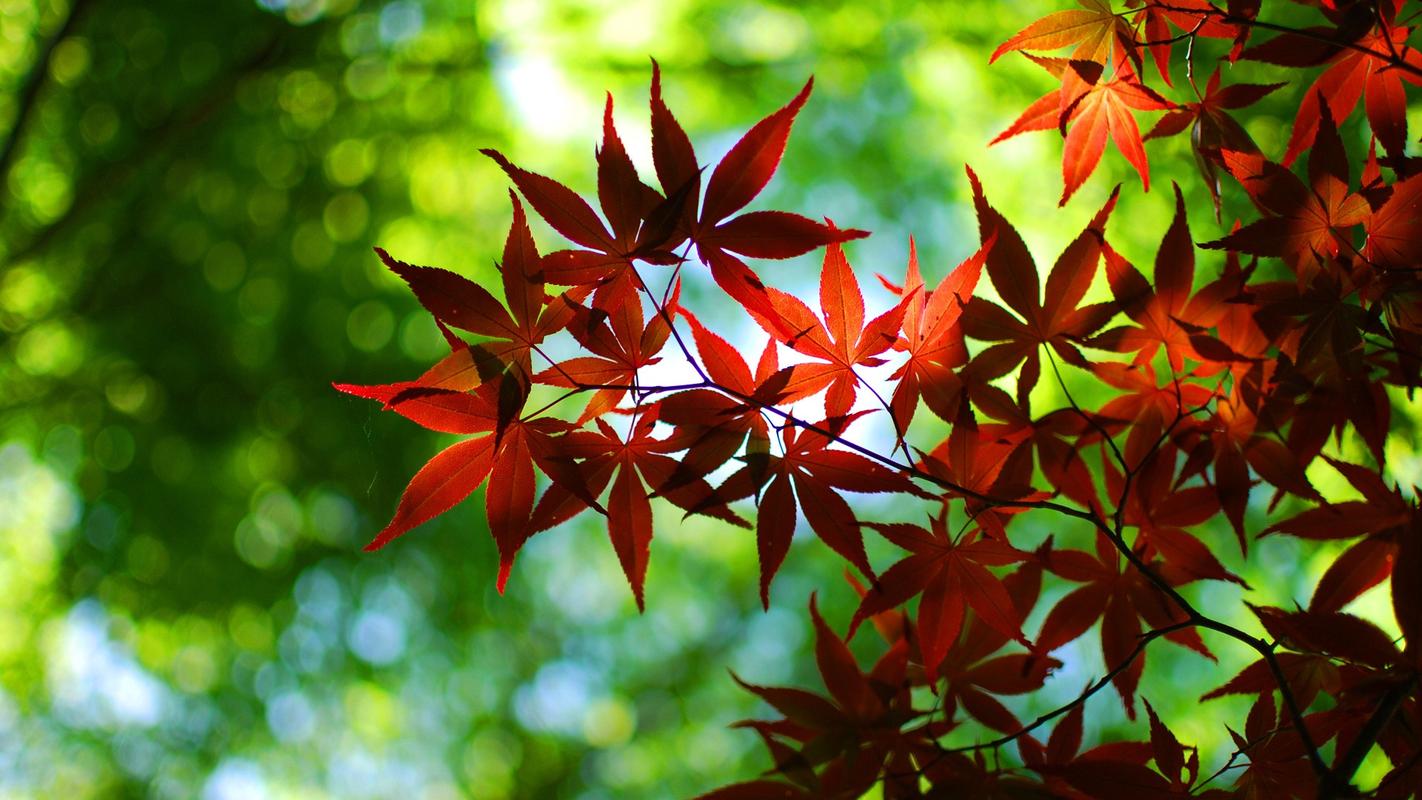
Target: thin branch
(1367, 737)
(1100, 684)
(1228, 765)
(1248, 22)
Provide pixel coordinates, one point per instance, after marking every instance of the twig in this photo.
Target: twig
(1100, 684)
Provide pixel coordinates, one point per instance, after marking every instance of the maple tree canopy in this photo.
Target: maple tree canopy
(1239, 367)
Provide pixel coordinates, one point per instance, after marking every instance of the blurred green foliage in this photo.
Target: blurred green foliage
(188, 197)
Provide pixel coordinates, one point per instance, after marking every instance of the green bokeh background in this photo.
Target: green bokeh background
(186, 219)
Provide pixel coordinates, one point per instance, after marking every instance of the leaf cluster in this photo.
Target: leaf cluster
(1228, 380)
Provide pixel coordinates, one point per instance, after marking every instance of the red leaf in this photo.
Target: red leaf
(672, 154)
(841, 673)
(747, 168)
(1092, 29)
(1392, 229)
(440, 484)
(1105, 111)
(568, 213)
(454, 299)
(1361, 567)
(1407, 584)
(509, 499)
(625, 200)
(1169, 755)
(775, 526)
(1114, 780)
(629, 524)
(775, 234)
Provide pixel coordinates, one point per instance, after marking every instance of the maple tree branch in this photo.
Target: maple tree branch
(1248, 22)
(1193, 616)
(1197, 618)
(909, 469)
(1382, 25)
(1291, 703)
(554, 365)
(899, 442)
(1228, 765)
(1367, 737)
(661, 310)
(1180, 37)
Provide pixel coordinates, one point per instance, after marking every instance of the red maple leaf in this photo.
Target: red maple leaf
(637, 467)
(1120, 598)
(810, 471)
(843, 341)
(459, 302)
(1055, 321)
(933, 339)
(1089, 109)
(1212, 129)
(951, 574)
(851, 737)
(620, 345)
(1305, 224)
(1364, 70)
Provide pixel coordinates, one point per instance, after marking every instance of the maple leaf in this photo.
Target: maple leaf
(713, 424)
(1165, 312)
(1120, 599)
(933, 339)
(1355, 73)
(643, 223)
(1057, 321)
(1098, 33)
(1088, 110)
(635, 466)
(1305, 224)
(1237, 444)
(1191, 17)
(647, 225)
(1146, 396)
(852, 733)
(1334, 634)
(1162, 511)
(459, 302)
(1212, 129)
(736, 180)
(504, 456)
(843, 341)
(440, 484)
(1382, 516)
(973, 460)
(809, 471)
(951, 574)
(1392, 227)
(1104, 110)
(1056, 440)
(620, 344)
(1277, 765)
(974, 674)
